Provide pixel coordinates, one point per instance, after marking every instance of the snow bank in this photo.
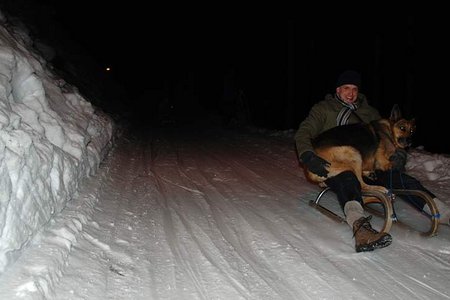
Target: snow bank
(50, 139)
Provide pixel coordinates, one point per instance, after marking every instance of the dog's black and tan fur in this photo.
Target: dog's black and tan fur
(363, 148)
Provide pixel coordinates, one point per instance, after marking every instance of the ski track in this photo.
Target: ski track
(177, 215)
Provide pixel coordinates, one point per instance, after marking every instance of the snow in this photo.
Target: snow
(180, 213)
(50, 140)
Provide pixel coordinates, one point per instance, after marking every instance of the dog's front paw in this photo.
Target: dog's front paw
(376, 188)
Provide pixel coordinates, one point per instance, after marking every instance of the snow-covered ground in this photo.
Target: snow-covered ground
(210, 214)
(180, 213)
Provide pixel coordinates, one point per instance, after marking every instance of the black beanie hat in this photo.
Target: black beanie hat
(349, 77)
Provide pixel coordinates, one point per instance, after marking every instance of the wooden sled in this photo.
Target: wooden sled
(382, 206)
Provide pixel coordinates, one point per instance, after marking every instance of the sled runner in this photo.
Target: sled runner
(382, 205)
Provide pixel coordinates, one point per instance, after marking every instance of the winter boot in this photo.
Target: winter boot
(367, 238)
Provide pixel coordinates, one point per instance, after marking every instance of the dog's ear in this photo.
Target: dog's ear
(396, 113)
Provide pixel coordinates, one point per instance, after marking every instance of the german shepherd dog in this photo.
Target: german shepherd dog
(363, 148)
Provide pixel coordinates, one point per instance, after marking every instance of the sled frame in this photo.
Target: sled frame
(388, 213)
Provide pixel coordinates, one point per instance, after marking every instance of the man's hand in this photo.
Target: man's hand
(314, 163)
(398, 160)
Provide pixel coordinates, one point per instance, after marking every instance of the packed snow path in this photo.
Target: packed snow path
(179, 214)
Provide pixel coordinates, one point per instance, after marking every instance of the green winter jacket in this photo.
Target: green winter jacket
(323, 115)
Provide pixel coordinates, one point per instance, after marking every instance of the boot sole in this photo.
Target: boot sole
(381, 243)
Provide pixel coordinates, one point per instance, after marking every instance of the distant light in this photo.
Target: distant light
(108, 69)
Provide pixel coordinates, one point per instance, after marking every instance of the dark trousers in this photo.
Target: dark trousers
(399, 180)
(347, 188)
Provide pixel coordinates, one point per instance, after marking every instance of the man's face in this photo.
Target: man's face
(347, 93)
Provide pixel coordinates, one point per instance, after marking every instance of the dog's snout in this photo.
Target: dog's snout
(405, 141)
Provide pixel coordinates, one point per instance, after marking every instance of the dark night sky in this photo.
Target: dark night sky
(284, 59)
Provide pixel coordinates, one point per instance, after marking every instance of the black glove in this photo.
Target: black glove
(314, 163)
(398, 160)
